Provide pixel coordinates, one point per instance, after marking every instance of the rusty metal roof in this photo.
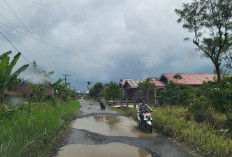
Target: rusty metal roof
(190, 79)
(131, 83)
(157, 82)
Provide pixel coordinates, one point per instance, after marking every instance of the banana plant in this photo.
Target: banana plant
(38, 90)
(7, 77)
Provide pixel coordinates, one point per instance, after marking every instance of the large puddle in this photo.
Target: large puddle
(112, 150)
(111, 126)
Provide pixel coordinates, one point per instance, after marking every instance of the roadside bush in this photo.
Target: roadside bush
(200, 109)
(176, 94)
(202, 137)
(219, 95)
(35, 128)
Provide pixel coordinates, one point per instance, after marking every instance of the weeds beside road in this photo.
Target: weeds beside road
(202, 137)
(34, 129)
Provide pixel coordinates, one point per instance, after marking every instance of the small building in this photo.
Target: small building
(23, 89)
(130, 91)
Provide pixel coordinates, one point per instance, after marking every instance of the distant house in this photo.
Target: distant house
(23, 89)
(195, 80)
(130, 91)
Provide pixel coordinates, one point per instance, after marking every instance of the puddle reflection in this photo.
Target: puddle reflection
(112, 150)
(111, 126)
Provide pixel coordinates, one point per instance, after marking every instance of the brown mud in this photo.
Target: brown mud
(100, 130)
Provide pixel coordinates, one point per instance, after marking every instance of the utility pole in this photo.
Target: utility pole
(65, 77)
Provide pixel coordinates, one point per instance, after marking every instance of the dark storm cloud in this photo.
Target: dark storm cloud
(126, 38)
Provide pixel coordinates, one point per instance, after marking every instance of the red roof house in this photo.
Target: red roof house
(187, 78)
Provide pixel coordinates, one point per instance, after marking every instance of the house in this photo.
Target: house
(23, 89)
(195, 80)
(130, 91)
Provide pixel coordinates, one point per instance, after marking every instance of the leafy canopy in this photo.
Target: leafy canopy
(112, 91)
(145, 85)
(210, 22)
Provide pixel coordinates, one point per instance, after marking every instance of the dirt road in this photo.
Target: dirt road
(108, 133)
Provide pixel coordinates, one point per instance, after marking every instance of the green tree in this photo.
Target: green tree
(148, 87)
(112, 91)
(177, 76)
(7, 78)
(210, 22)
(95, 91)
(177, 94)
(63, 91)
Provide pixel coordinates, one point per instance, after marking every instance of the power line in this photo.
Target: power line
(6, 19)
(20, 21)
(14, 47)
(60, 49)
(19, 51)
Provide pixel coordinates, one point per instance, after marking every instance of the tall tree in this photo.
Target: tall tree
(7, 77)
(112, 91)
(210, 22)
(95, 91)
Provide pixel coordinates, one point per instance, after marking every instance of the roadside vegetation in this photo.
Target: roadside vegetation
(110, 91)
(200, 118)
(33, 126)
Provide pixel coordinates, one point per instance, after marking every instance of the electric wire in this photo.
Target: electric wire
(15, 47)
(20, 21)
(51, 45)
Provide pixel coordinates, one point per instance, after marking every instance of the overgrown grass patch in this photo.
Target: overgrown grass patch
(202, 137)
(34, 129)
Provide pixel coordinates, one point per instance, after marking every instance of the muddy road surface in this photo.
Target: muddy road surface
(107, 133)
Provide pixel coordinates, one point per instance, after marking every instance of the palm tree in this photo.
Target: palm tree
(7, 78)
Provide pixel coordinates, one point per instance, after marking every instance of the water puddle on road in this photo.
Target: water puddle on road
(112, 150)
(110, 126)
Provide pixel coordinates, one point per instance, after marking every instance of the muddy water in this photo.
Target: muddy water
(112, 150)
(110, 126)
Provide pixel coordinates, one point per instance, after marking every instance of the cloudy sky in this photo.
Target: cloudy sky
(100, 40)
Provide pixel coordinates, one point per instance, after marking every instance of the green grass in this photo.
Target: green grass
(35, 129)
(202, 137)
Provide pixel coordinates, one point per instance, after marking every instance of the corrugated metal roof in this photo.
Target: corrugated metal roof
(190, 79)
(132, 83)
(156, 82)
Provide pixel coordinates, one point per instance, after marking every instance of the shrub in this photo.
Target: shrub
(177, 94)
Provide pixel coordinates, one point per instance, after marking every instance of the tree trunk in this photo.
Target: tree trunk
(218, 72)
(1, 98)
